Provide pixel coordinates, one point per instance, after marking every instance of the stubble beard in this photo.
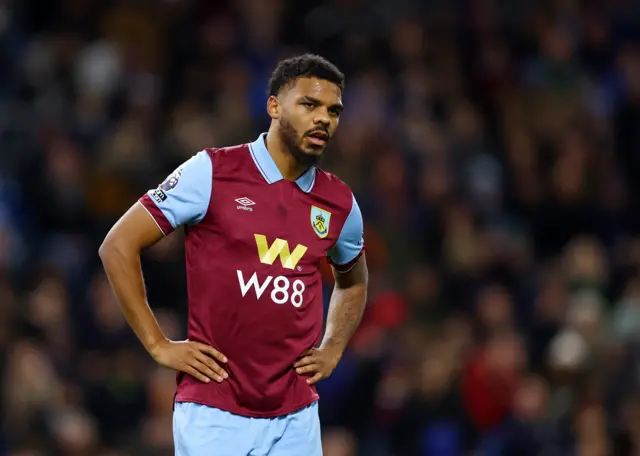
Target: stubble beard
(293, 143)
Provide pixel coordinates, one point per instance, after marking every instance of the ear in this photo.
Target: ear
(273, 107)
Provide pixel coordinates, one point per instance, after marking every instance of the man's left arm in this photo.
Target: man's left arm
(346, 306)
(347, 303)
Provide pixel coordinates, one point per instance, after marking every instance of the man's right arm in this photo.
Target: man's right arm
(120, 255)
(179, 200)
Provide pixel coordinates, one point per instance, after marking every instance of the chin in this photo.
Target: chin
(307, 149)
(309, 157)
(314, 151)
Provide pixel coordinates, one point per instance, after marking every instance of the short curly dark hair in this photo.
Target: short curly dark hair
(306, 65)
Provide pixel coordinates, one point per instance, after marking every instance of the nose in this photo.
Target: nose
(322, 118)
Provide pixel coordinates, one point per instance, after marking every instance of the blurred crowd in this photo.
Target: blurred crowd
(493, 146)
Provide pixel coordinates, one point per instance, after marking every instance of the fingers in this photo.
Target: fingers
(204, 369)
(211, 364)
(194, 373)
(210, 351)
(315, 379)
(307, 369)
(305, 361)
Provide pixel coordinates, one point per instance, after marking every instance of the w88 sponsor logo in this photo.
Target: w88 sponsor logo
(283, 289)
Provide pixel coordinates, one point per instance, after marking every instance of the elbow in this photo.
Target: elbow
(117, 247)
(105, 249)
(111, 247)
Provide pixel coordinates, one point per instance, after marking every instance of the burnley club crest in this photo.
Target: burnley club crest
(320, 221)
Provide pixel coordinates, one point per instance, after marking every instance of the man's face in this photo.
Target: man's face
(308, 117)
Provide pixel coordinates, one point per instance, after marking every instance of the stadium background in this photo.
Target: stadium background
(494, 147)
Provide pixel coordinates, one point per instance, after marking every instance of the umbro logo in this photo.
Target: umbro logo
(244, 203)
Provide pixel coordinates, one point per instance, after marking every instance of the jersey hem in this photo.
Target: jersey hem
(346, 267)
(248, 414)
(156, 214)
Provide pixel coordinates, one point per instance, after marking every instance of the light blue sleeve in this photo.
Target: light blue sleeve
(183, 198)
(351, 240)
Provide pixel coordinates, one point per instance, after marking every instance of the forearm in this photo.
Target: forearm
(345, 312)
(124, 271)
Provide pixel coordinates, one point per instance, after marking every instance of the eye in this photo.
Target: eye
(308, 104)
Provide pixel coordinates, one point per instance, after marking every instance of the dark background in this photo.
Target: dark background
(494, 147)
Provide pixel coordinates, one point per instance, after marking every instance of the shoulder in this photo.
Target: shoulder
(228, 159)
(190, 173)
(349, 243)
(332, 179)
(331, 186)
(228, 152)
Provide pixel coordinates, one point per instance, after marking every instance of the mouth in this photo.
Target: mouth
(318, 138)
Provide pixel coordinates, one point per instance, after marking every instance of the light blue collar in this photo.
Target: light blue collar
(269, 170)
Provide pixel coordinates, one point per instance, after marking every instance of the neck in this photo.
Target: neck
(284, 160)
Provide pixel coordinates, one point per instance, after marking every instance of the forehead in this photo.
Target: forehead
(320, 89)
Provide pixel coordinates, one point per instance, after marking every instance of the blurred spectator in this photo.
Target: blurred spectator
(492, 146)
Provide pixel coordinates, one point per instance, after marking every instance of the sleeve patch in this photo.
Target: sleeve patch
(171, 181)
(183, 197)
(158, 195)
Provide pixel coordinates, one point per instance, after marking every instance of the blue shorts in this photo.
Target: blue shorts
(199, 430)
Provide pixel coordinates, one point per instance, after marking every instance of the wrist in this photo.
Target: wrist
(335, 350)
(154, 347)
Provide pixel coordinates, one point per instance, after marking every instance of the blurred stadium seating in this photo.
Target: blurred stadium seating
(494, 147)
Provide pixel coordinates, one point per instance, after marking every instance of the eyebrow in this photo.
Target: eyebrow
(337, 106)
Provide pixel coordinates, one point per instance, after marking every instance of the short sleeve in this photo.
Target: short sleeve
(350, 245)
(183, 198)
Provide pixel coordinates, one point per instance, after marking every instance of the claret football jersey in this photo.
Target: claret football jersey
(254, 245)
